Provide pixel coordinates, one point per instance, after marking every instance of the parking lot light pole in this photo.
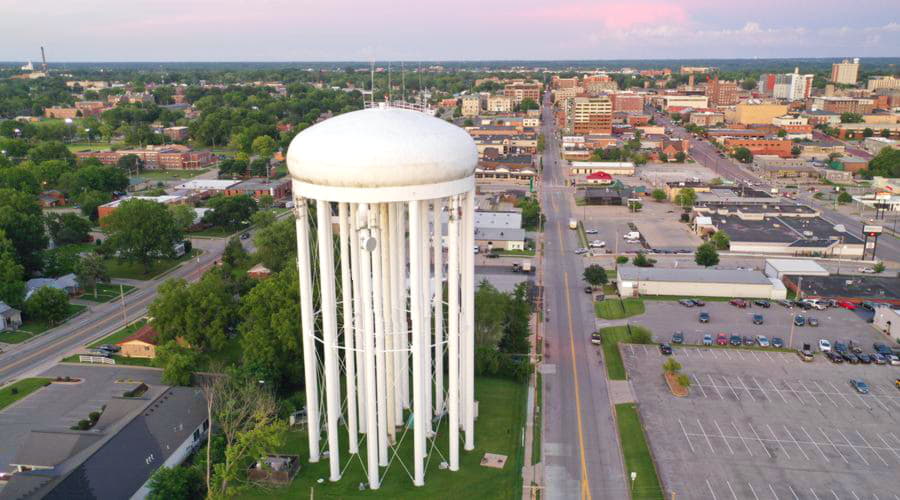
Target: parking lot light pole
(633, 477)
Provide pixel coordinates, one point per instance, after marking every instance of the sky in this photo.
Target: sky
(412, 30)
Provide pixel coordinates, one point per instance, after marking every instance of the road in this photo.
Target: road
(708, 156)
(581, 456)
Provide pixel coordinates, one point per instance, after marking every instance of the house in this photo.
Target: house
(51, 199)
(67, 283)
(259, 272)
(502, 239)
(10, 317)
(599, 177)
(141, 344)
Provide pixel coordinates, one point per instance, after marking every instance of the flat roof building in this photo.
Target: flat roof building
(635, 281)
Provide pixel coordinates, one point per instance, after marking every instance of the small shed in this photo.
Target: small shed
(10, 317)
(141, 344)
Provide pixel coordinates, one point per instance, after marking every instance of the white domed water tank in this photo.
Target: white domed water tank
(385, 150)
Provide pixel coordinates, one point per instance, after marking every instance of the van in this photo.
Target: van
(632, 235)
(573, 224)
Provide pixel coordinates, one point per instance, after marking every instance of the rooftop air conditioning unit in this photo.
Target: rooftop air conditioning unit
(808, 234)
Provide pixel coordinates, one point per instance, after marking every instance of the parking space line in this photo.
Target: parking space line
(835, 495)
(814, 493)
(878, 400)
(816, 445)
(732, 490)
(700, 386)
(791, 435)
(794, 391)
(727, 354)
(863, 401)
(708, 442)
(631, 349)
(777, 390)
(755, 355)
(834, 446)
(810, 392)
(837, 391)
(730, 387)
(723, 437)
(742, 438)
(889, 446)
(783, 449)
(849, 443)
(739, 353)
(760, 440)
(686, 438)
(793, 493)
(871, 448)
(711, 492)
(785, 357)
(747, 389)
(825, 393)
(752, 491)
(715, 355)
(769, 355)
(773, 491)
(714, 386)
(854, 494)
(761, 390)
(699, 352)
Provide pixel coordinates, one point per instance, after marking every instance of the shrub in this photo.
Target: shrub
(94, 416)
(14, 390)
(684, 381)
(493, 363)
(671, 366)
(640, 336)
(83, 425)
(622, 259)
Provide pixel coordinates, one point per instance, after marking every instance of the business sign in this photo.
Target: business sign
(872, 230)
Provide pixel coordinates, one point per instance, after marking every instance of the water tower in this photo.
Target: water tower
(398, 188)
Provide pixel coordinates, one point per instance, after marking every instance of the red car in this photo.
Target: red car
(721, 339)
(847, 304)
(738, 303)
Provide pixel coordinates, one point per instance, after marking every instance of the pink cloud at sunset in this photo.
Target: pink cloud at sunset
(616, 15)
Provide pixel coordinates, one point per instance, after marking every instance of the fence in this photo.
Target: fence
(96, 359)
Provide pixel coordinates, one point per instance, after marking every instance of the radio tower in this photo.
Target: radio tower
(44, 59)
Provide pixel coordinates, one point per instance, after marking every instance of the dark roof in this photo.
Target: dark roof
(879, 288)
(146, 334)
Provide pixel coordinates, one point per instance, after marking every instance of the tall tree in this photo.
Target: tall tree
(22, 221)
(47, 304)
(595, 275)
(68, 228)
(276, 245)
(489, 315)
(202, 314)
(706, 255)
(12, 284)
(230, 211)
(686, 197)
(175, 483)
(234, 254)
(141, 231)
(182, 215)
(90, 270)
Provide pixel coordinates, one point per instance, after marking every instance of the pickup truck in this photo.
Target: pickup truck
(805, 352)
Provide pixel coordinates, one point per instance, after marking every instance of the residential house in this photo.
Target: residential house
(10, 317)
(68, 283)
(141, 344)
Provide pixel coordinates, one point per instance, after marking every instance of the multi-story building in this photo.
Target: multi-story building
(766, 83)
(176, 133)
(786, 120)
(721, 92)
(563, 83)
(883, 82)
(276, 188)
(175, 157)
(591, 115)
(627, 102)
(471, 105)
(842, 105)
(845, 71)
(706, 118)
(778, 147)
(792, 86)
(687, 70)
(90, 108)
(683, 101)
(499, 104)
(523, 90)
(758, 114)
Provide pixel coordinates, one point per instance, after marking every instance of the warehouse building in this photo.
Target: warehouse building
(635, 281)
(779, 268)
(801, 235)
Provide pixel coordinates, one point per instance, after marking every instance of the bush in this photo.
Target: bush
(94, 416)
(14, 391)
(671, 366)
(493, 363)
(621, 259)
(83, 425)
(640, 336)
(684, 381)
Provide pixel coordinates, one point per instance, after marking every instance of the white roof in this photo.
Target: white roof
(381, 147)
(602, 164)
(206, 184)
(797, 266)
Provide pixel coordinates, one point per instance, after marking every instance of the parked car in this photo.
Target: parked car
(834, 357)
(864, 358)
(704, 317)
(588, 290)
(597, 244)
(110, 347)
(698, 302)
(678, 338)
(855, 347)
(686, 302)
(850, 358)
(879, 358)
(665, 349)
(735, 340)
(846, 304)
(814, 304)
(590, 231)
(762, 303)
(812, 321)
(785, 303)
(840, 347)
(707, 339)
(748, 340)
(596, 338)
(493, 255)
(758, 319)
(799, 320)
(868, 306)
(893, 360)
(867, 270)
(824, 345)
(777, 342)
(738, 303)
(860, 386)
(245, 236)
(805, 352)
(882, 348)
(762, 340)
(721, 339)
(99, 352)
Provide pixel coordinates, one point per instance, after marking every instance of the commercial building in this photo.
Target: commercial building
(721, 92)
(500, 238)
(792, 86)
(153, 157)
(801, 235)
(791, 170)
(887, 321)
(276, 188)
(607, 196)
(779, 268)
(636, 281)
(778, 147)
(883, 82)
(758, 114)
(707, 118)
(627, 102)
(523, 90)
(105, 210)
(857, 130)
(471, 105)
(591, 115)
(685, 101)
(500, 104)
(845, 72)
(691, 70)
(876, 289)
(840, 105)
(610, 167)
(673, 189)
(874, 145)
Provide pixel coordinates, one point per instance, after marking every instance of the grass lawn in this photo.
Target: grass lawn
(637, 454)
(120, 360)
(609, 289)
(582, 236)
(105, 292)
(619, 309)
(135, 270)
(516, 253)
(611, 337)
(170, 175)
(498, 430)
(85, 146)
(119, 335)
(23, 388)
(39, 327)
(538, 419)
(14, 337)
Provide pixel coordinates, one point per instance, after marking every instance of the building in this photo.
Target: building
(204, 188)
(140, 344)
(599, 178)
(766, 83)
(499, 238)
(887, 321)
(838, 105)
(607, 196)
(105, 210)
(672, 189)
(791, 170)
(758, 114)
(874, 145)
(10, 317)
(789, 120)
(471, 105)
(276, 188)
(883, 82)
(591, 115)
(523, 90)
(176, 133)
(634, 281)
(684, 101)
(802, 234)
(858, 130)
(845, 72)
(67, 283)
(792, 86)
(259, 272)
(627, 102)
(61, 113)
(881, 290)
(721, 92)
(500, 104)
(778, 147)
(153, 157)
(779, 268)
(497, 219)
(706, 118)
(689, 70)
(609, 167)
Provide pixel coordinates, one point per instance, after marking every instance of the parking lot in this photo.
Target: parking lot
(763, 424)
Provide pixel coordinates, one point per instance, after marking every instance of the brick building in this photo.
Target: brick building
(627, 102)
(520, 91)
(721, 92)
(777, 147)
(276, 188)
(174, 157)
(591, 115)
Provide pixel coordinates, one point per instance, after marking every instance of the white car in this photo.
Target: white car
(590, 231)
(824, 345)
(894, 360)
(867, 270)
(579, 251)
(598, 244)
(762, 340)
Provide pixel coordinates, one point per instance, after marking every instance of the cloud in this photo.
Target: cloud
(615, 15)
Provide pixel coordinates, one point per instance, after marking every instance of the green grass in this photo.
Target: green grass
(538, 419)
(120, 360)
(135, 270)
(611, 337)
(119, 335)
(106, 292)
(23, 387)
(498, 430)
(38, 327)
(170, 175)
(619, 309)
(14, 337)
(85, 146)
(637, 454)
(516, 253)
(582, 236)
(218, 231)
(609, 289)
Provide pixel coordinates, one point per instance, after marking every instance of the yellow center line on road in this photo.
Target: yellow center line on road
(585, 481)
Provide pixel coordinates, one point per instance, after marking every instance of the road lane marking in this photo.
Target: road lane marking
(585, 481)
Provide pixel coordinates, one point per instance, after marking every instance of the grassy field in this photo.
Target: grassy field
(619, 309)
(498, 430)
(38, 327)
(135, 270)
(218, 231)
(22, 388)
(106, 292)
(611, 336)
(14, 337)
(637, 454)
(170, 175)
(119, 335)
(85, 146)
(538, 419)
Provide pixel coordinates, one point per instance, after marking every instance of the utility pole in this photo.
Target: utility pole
(124, 311)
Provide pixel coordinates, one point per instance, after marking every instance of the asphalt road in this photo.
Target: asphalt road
(581, 456)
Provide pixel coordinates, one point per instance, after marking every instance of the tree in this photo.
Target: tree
(658, 194)
(528, 104)
(885, 164)
(795, 150)
(232, 168)
(706, 255)
(595, 275)
(885, 133)
(263, 146)
(234, 254)
(490, 305)
(542, 142)
(720, 240)
(90, 270)
(90, 200)
(844, 197)
(141, 231)
(262, 219)
(47, 304)
(680, 157)
(641, 260)
(176, 483)
(51, 150)
(868, 132)
(266, 201)
(19, 179)
(12, 284)
(230, 211)
(178, 362)
(22, 222)
(130, 164)
(182, 215)
(851, 118)
(276, 245)
(468, 122)
(201, 314)
(742, 155)
(749, 84)
(686, 197)
(671, 366)
(878, 267)
(68, 228)
(531, 213)
(517, 329)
